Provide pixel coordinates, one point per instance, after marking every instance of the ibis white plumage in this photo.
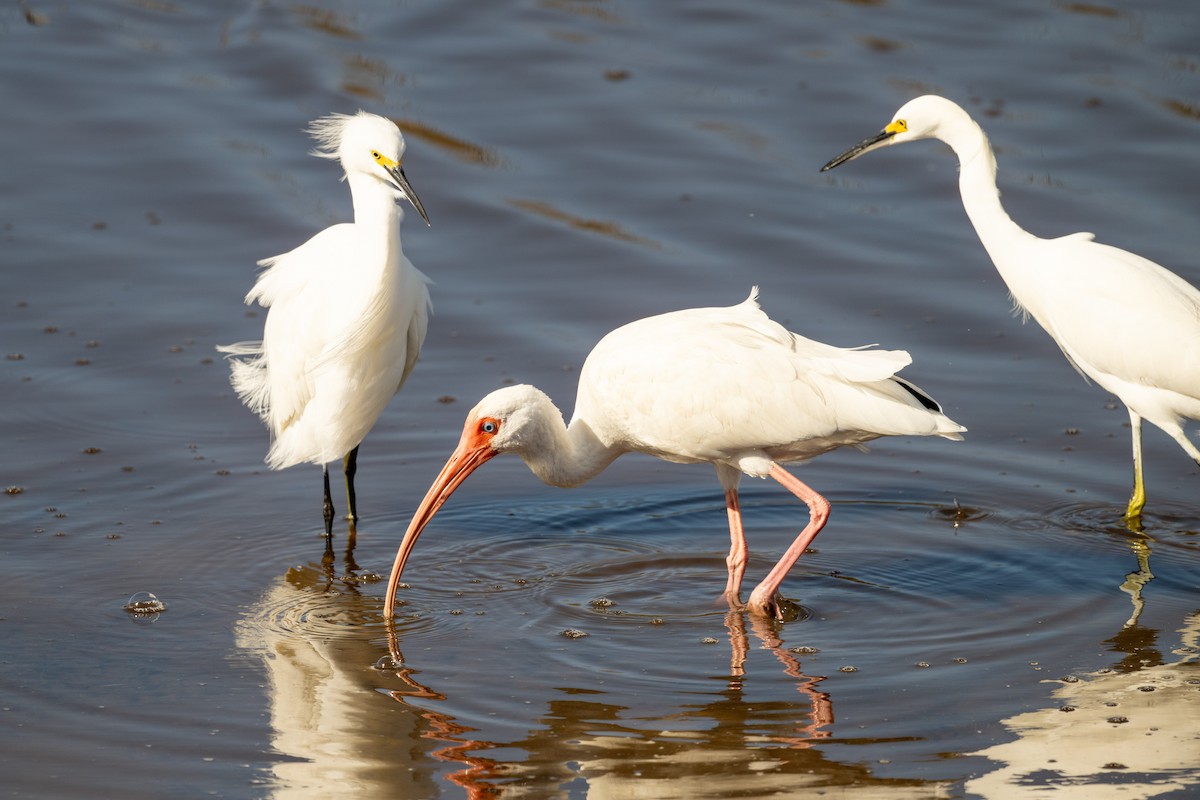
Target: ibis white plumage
(348, 313)
(1127, 323)
(726, 386)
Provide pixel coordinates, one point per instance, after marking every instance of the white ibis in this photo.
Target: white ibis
(348, 313)
(726, 386)
(1127, 323)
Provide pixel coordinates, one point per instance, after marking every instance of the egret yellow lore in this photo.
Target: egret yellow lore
(347, 313)
(724, 386)
(1127, 323)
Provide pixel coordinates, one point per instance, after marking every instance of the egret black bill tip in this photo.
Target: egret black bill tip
(878, 140)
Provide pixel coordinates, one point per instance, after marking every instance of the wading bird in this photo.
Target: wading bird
(1125, 322)
(347, 317)
(726, 386)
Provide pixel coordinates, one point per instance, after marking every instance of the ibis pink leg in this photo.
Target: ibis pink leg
(738, 552)
(762, 599)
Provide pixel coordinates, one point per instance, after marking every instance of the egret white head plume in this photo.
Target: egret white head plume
(368, 145)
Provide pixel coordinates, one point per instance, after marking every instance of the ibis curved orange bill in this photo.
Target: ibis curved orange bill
(474, 449)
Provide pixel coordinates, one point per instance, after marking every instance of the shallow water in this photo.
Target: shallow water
(584, 163)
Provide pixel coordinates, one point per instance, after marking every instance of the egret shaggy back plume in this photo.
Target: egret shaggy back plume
(725, 386)
(347, 313)
(1127, 323)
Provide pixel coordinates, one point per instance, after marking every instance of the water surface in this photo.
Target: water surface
(584, 163)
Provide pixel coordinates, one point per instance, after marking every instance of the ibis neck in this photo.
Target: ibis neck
(564, 455)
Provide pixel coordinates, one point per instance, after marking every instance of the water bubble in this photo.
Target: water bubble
(1118, 720)
(388, 662)
(1146, 688)
(601, 602)
(959, 515)
(848, 668)
(804, 650)
(922, 664)
(708, 640)
(1114, 765)
(960, 660)
(367, 576)
(571, 633)
(1066, 708)
(1069, 679)
(145, 607)
(145, 602)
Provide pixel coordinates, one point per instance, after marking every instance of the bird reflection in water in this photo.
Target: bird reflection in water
(1132, 726)
(316, 636)
(575, 726)
(822, 707)
(1135, 581)
(477, 770)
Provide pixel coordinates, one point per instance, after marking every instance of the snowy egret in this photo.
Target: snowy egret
(348, 313)
(1125, 322)
(726, 386)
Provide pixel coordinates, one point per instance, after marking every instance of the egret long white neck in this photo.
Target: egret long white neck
(375, 208)
(977, 184)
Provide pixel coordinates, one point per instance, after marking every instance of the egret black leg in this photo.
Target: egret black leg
(351, 466)
(328, 509)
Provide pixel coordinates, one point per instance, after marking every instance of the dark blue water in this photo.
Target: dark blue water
(584, 163)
